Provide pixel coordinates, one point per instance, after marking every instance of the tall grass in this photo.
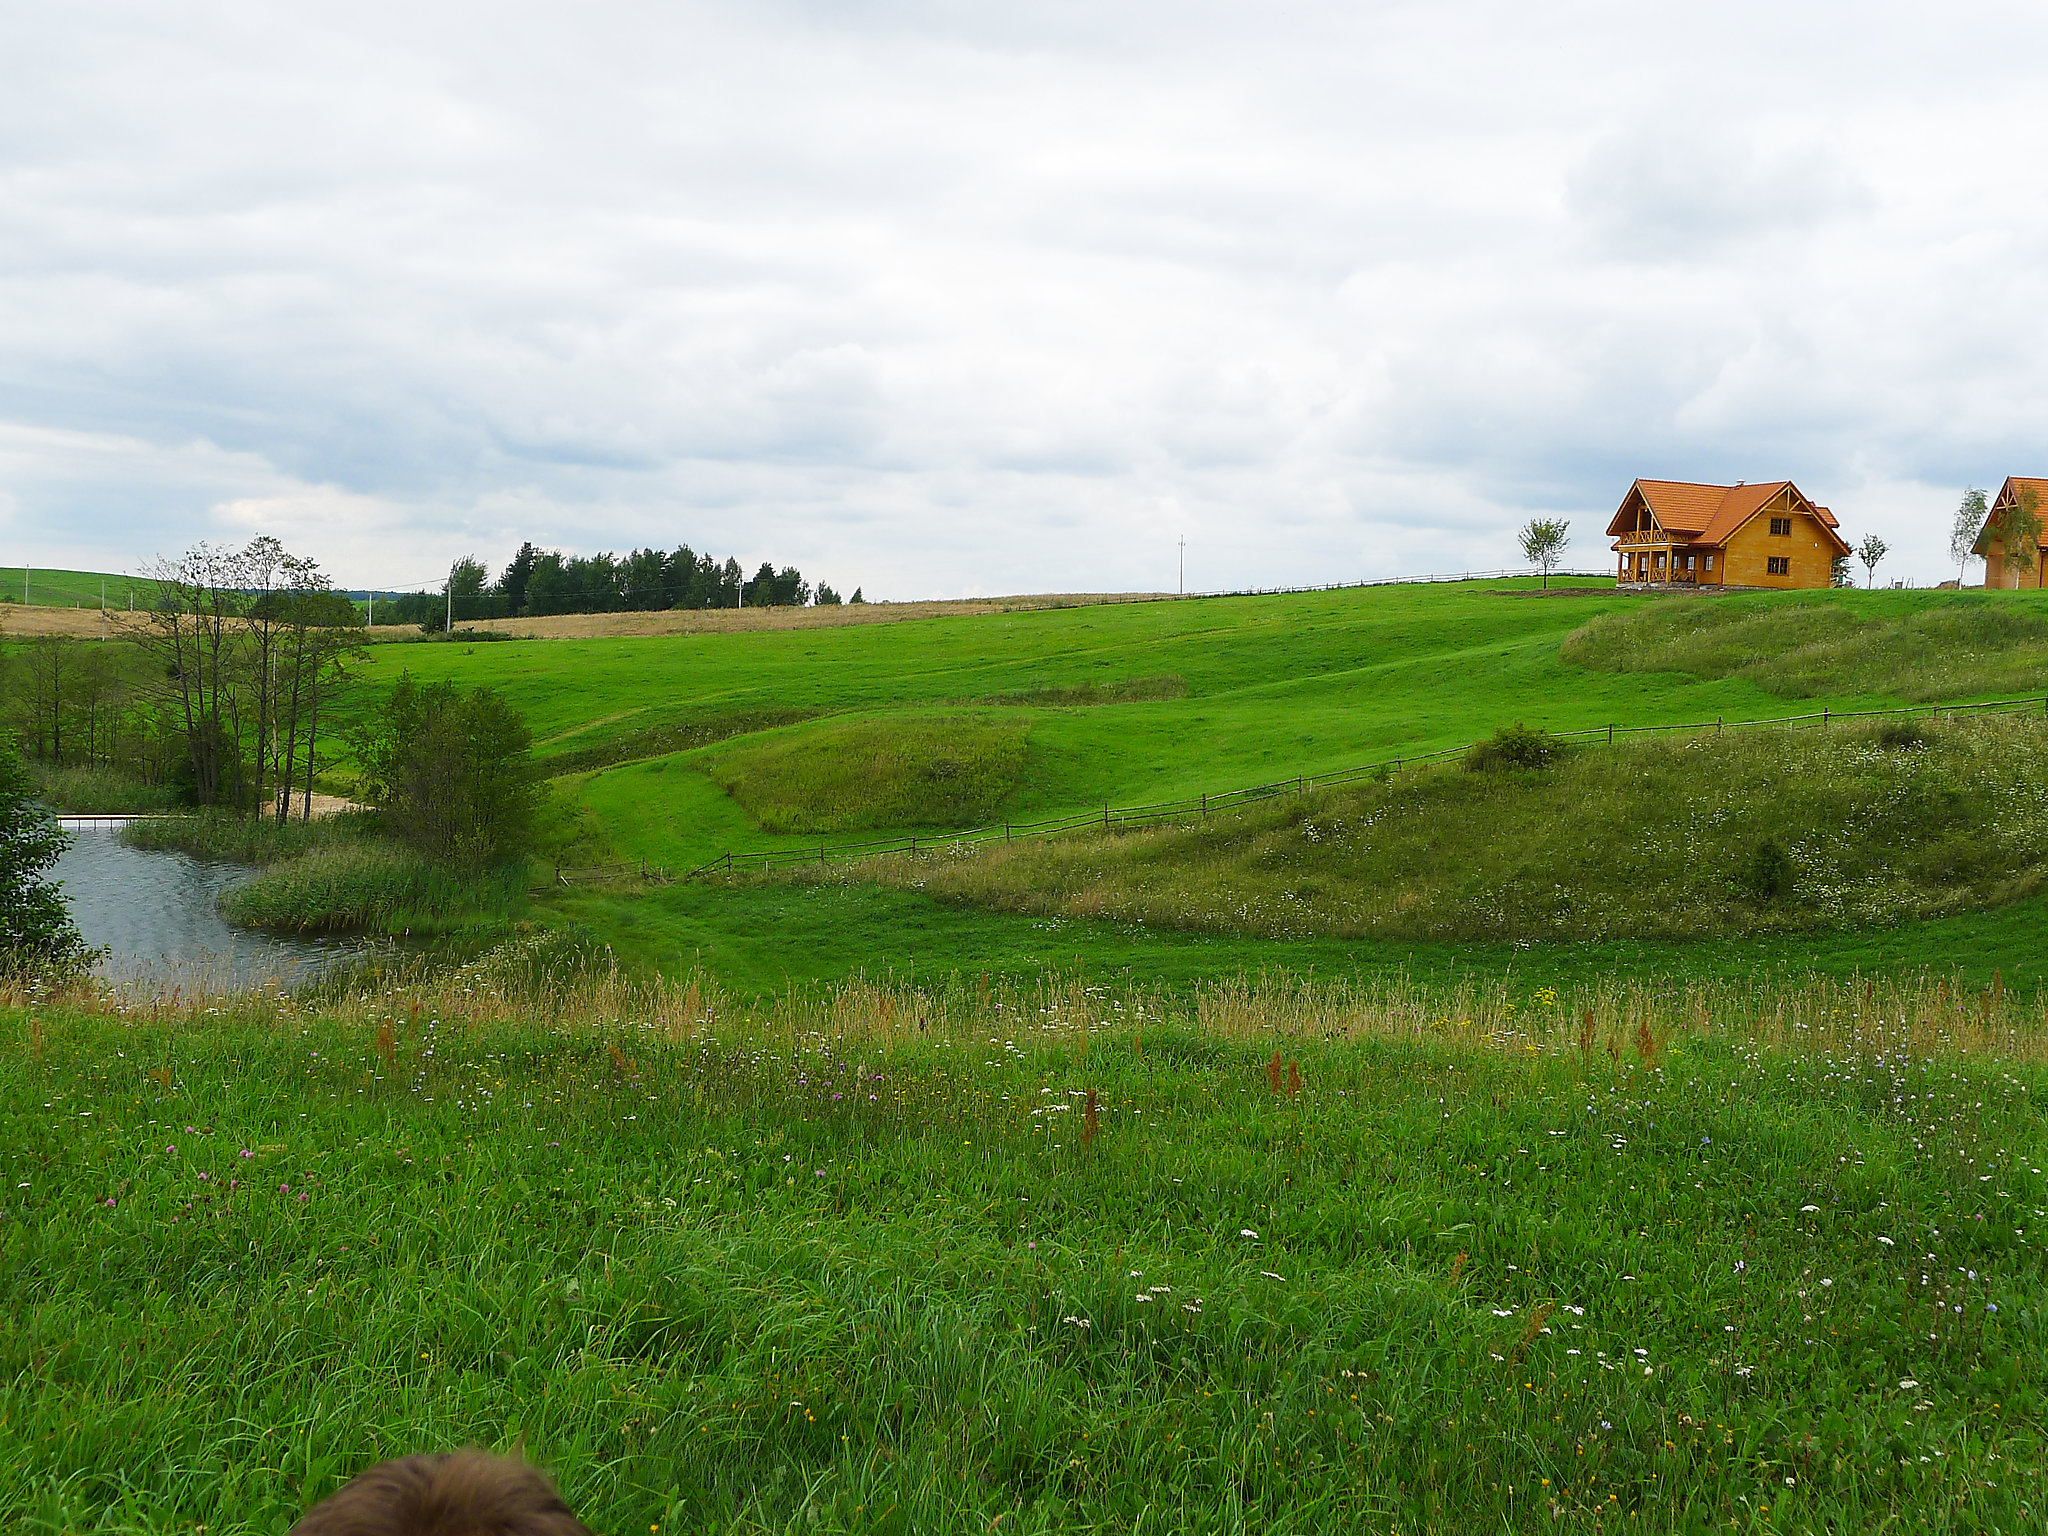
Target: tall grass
(97, 790)
(850, 775)
(234, 838)
(1646, 839)
(1941, 648)
(1275, 1254)
(377, 886)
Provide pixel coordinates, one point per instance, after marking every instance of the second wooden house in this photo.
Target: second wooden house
(1681, 533)
(2010, 543)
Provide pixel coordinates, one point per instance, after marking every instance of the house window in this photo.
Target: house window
(1660, 559)
(1779, 565)
(1688, 562)
(1710, 562)
(1781, 527)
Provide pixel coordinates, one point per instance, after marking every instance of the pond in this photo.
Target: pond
(156, 916)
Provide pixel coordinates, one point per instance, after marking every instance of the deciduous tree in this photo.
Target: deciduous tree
(1543, 542)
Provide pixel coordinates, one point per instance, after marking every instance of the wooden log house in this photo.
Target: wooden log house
(1676, 533)
(2018, 497)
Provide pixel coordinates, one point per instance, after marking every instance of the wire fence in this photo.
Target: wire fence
(1115, 818)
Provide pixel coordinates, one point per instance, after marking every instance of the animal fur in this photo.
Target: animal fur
(463, 1493)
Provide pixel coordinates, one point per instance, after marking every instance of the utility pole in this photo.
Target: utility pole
(1183, 565)
(451, 601)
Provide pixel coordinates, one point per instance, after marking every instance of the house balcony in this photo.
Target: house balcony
(1642, 536)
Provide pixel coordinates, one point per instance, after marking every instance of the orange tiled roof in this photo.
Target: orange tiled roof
(1710, 514)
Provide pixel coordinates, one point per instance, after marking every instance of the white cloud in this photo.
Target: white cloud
(934, 298)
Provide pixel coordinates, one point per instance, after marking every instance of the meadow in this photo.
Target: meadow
(676, 748)
(1044, 1257)
(1866, 825)
(1168, 1181)
(74, 589)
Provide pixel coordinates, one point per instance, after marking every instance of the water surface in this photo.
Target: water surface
(156, 914)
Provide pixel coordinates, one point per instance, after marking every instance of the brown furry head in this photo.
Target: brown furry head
(465, 1493)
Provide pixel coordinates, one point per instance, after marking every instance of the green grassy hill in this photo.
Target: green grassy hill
(1229, 692)
(674, 749)
(73, 589)
(1684, 837)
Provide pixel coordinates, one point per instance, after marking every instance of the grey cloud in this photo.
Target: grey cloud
(966, 297)
(1656, 190)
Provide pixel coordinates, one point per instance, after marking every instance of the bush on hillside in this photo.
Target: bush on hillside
(1900, 733)
(1767, 874)
(452, 772)
(1514, 746)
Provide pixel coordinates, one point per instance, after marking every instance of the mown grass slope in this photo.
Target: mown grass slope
(879, 1262)
(65, 589)
(1649, 838)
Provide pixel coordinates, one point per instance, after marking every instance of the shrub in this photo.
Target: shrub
(36, 931)
(1900, 733)
(1767, 873)
(1514, 746)
(453, 772)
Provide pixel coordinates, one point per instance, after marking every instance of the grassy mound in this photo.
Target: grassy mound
(1652, 839)
(848, 1267)
(852, 775)
(1931, 648)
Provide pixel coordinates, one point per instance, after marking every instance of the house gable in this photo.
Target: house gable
(2019, 493)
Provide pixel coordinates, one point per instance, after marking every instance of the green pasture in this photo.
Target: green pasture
(1052, 1260)
(1274, 687)
(74, 589)
(1130, 703)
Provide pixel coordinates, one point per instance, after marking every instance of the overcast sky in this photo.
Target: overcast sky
(941, 299)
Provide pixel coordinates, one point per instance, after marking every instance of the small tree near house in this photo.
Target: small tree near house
(1543, 541)
(1962, 535)
(1870, 551)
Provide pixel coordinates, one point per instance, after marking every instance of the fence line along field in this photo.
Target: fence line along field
(1275, 1256)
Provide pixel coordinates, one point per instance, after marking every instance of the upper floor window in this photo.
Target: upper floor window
(1782, 527)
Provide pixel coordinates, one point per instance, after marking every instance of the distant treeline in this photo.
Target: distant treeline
(544, 581)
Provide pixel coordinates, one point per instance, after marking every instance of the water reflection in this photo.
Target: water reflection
(156, 916)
